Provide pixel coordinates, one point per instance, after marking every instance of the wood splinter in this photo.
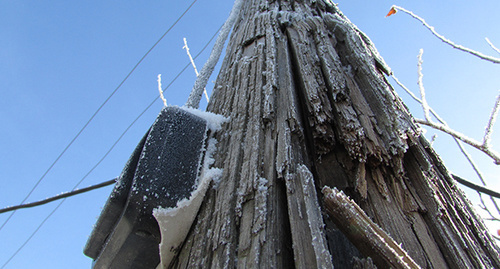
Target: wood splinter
(365, 234)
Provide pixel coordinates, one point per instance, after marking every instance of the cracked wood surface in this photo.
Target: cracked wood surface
(309, 106)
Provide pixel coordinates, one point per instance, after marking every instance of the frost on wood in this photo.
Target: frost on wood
(309, 106)
(369, 237)
(315, 220)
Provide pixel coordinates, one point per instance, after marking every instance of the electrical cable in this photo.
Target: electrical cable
(59, 196)
(96, 112)
(105, 155)
(476, 187)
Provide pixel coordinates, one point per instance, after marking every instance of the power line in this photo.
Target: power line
(476, 187)
(105, 155)
(97, 111)
(59, 196)
(31, 236)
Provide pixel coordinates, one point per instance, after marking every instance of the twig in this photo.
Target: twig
(491, 122)
(479, 175)
(366, 235)
(491, 45)
(494, 155)
(194, 66)
(161, 91)
(484, 146)
(433, 139)
(425, 106)
(447, 41)
(460, 146)
(448, 130)
(441, 120)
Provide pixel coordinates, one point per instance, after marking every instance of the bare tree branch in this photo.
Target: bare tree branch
(447, 41)
(433, 139)
(491, 122)
(441, 120)
(494, 155)
(425, 106)
(491, 45)
(194, 66)
(479, 174)
(161, 91)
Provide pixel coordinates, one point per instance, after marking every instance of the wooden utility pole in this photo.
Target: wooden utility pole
(310, 106)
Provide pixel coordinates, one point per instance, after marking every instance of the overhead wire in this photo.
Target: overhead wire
(96, 112)
(59, 196)
(110, 149)
(476, 187)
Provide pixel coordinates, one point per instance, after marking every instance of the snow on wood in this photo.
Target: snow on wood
(306, 89)
(313, 211)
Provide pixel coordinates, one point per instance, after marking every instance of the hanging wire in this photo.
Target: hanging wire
(96, 112)
(105, 155)
(59, 196)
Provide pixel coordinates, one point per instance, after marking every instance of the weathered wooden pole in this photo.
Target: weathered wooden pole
(309, 106)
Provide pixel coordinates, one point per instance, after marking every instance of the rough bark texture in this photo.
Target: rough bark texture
(309, 106)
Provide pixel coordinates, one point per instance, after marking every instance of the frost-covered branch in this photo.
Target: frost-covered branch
(194, 66)
(448, 130)
(444, 128)
(491, 122)
(478, 173)
(433, 139)
(444, 39)
(417, 99)
(425, 106)
(208, 68)
(365, 234)
(442, 122)
(161, 91)
(491, 45)
(460, 146)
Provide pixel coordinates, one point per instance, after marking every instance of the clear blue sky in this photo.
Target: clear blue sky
(59, 60)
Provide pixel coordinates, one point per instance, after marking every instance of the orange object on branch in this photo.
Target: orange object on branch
(391, 12)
